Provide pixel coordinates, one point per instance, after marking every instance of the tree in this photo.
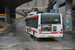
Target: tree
(50, 5)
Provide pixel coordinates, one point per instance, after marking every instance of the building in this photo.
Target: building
(62, 6)
(41, 4)
(62, 9)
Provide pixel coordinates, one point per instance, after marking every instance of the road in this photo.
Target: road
(18, 39)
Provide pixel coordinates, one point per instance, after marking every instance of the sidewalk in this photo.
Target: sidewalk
(70, 32)
(8, 27)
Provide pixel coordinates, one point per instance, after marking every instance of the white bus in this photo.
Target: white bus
(45, 25)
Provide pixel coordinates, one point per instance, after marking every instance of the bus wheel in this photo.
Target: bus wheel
(27, 30)
(28, 33)
(33, 35)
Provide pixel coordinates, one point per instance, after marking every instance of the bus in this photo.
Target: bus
(45, 25)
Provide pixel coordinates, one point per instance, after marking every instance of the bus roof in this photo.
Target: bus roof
(32, 17)
(40, 13)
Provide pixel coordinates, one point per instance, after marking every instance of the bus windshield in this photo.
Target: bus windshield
(50, 18)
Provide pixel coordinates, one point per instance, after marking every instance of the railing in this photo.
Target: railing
(2, 15)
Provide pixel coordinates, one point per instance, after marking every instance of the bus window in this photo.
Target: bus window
(32, 22)
(50, 18)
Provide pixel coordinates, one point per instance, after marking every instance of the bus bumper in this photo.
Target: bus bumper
(50, 35)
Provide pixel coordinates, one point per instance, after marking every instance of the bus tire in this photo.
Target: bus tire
(27, 30)
(33, 35)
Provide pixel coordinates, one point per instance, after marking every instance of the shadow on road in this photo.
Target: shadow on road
(46, 39)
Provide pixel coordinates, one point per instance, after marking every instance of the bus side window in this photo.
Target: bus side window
(35, 22)
(32, 22)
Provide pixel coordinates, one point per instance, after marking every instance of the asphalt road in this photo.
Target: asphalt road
(18, 39)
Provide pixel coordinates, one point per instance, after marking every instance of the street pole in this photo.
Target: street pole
(28, 4)
(35, 3)
(57, 1)
(43, 3)
(68, 18)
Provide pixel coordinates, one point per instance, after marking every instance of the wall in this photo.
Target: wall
(18, 16)
(73, 2)
(31, 3)
(39, 3)
(62, 10)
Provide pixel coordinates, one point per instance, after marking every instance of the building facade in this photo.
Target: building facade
(62, 6)
(41, 4)
(35, 3)
(62, 9)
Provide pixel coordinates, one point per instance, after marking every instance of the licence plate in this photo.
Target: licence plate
(50, 36)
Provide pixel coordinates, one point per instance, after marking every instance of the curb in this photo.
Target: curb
(72, 32)
(8, 29)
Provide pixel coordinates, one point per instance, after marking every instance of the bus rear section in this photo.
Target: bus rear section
(51, 25)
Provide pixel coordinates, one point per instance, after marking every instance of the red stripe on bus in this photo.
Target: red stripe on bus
(60, 32)
(35, 31)
(31, 30)
(54, 32)
(31, 17)
(26, 28)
